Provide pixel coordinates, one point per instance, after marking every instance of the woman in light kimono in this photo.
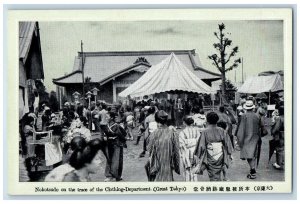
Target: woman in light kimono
(213, 149)
(188, 138)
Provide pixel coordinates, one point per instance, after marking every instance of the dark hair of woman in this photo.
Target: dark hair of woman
(201, 111)
(195, 109)
(212, 118)
(222, 125)
(78, 143)
(48, 112)
(112, 115)
(65, 111)
(161, 117)
(104, 106)
(72, 115)
(188, 120)
(28, 120)
(80, 110)
(72, 107)
(83, 120)
(80, 158)
(221, 109)
(151, 110)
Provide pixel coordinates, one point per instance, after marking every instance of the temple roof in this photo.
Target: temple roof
(102, 67)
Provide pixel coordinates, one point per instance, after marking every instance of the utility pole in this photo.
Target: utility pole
(242, 70)
(82, 69)
(235, 76)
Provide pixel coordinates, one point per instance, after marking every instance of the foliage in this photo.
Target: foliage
(229, 85)
(222, 60)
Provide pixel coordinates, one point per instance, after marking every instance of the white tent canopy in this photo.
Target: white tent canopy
(169, 75)
(260, 84)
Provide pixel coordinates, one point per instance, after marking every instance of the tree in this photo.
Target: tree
(222, 58)
(230, 90)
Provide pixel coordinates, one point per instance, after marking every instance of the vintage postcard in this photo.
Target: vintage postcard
(178, 101)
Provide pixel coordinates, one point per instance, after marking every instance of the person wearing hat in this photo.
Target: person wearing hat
(249, 137)
(163, 149)
(188, 138)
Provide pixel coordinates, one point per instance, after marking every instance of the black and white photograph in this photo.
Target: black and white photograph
(180, 100)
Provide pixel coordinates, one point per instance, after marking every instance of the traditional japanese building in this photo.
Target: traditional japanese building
(112, 72)
(30, 63)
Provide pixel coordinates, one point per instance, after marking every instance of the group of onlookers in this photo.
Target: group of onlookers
(203, 141)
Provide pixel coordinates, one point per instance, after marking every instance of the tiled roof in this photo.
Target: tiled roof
(26, 31)
(103, 66)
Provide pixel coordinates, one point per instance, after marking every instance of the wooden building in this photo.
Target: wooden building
(112, 72)
(30, 63)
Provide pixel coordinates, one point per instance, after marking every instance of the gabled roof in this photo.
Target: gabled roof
(102, 67)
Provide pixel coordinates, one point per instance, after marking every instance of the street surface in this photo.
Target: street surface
(133, 170)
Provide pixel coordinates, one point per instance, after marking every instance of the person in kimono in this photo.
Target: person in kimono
(223, 125)
(57, 174)
(115, 137)
(198, 117)
(163, 150)
(188, 138)
(213, 149)
(150, 126)
(223, 117)
(277, 132)
(249, 137)
(179, 111)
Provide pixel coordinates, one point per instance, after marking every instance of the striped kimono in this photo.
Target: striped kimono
(187, 143)
(164, 154)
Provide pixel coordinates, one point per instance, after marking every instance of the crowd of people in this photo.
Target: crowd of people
(177, 137)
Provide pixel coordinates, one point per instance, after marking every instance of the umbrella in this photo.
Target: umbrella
(272, 145)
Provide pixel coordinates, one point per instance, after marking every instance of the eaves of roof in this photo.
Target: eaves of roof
(113, 76)
(56, 80)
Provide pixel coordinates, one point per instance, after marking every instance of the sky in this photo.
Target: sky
(260, 42)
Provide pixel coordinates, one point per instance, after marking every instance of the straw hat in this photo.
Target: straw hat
(249, 105)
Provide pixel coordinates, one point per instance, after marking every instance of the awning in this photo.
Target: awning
(260, 84)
